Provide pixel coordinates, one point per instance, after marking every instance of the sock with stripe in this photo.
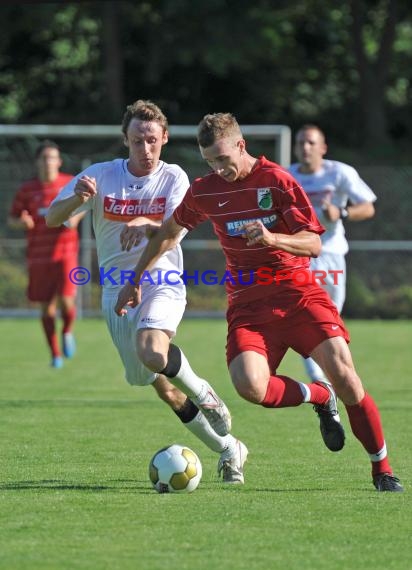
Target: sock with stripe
(366, 425)
(190, 415)
(181, 374)
(283, 392)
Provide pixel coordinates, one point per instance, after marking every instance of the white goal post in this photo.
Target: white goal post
(280, 134)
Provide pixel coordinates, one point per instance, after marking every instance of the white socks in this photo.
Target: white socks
(187, 381)
(200, 427)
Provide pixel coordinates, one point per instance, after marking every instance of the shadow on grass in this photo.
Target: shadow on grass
(72, 403)
(119, 485)
(141, 487)
(124, 486)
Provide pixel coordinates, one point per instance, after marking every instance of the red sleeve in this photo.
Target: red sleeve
(19, 203)
(188, 214)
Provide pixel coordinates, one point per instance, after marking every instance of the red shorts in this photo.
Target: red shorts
(51, 279)
(268, 328)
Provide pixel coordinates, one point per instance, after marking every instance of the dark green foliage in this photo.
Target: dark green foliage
(265, 61)
(13, 285)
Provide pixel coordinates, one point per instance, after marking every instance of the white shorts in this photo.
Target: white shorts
(161, 308)
(335, 284)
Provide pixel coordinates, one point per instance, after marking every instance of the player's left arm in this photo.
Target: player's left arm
(23, 222)
(164, 239)
(302, 244)
(360, 212)
(134, 231)
(75, 220)
(359, 197)
(352, 213)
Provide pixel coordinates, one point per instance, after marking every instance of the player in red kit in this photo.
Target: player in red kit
(51, 252)
(264, 219)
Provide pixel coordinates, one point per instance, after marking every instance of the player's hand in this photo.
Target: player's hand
(131, 236)
(129, 296)
(255, 232)
(27, 220)
(85, 188)
(330, 211)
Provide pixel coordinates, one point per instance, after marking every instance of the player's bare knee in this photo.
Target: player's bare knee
(348, 386)
(152, 359)
(353, 391)
(250, 394)
(252, 389)
(49, 311)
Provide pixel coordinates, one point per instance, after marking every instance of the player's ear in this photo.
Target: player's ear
(165, 139)
(125, 141)
(241, 144)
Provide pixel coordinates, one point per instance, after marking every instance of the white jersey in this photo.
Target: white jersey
(122, 197)
(338, 183)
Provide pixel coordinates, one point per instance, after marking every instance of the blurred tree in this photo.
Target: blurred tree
(344, 65)
(113, 58)
(49, 63)
(373, 28)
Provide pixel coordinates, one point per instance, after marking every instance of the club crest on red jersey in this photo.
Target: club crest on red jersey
(264, 198)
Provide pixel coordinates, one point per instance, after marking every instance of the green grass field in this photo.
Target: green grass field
(76, 443)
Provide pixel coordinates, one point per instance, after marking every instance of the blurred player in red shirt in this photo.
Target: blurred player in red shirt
(51, 252)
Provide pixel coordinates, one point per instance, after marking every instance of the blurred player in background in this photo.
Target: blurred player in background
(129, 199)
(338, 194)
(263, 219)
(51, 252)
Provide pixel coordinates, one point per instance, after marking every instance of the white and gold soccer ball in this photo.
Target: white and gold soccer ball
(175, 469)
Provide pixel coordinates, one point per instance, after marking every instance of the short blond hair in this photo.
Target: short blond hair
(217, 126)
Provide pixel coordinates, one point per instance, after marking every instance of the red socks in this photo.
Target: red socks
(50, 332)
(364, 418)
(68, 317)
(283, 392)
(366, 425)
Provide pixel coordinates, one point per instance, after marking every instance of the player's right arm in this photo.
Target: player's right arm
(164, 239)
(23, 222)
(20, 217)
(60, 211)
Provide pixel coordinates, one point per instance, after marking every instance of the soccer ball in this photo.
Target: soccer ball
(175, 469)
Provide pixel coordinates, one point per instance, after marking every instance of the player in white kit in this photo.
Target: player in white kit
(338, 194)
(128, 200)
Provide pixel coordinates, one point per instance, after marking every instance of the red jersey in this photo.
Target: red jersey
(43, 243)
(269, 194)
